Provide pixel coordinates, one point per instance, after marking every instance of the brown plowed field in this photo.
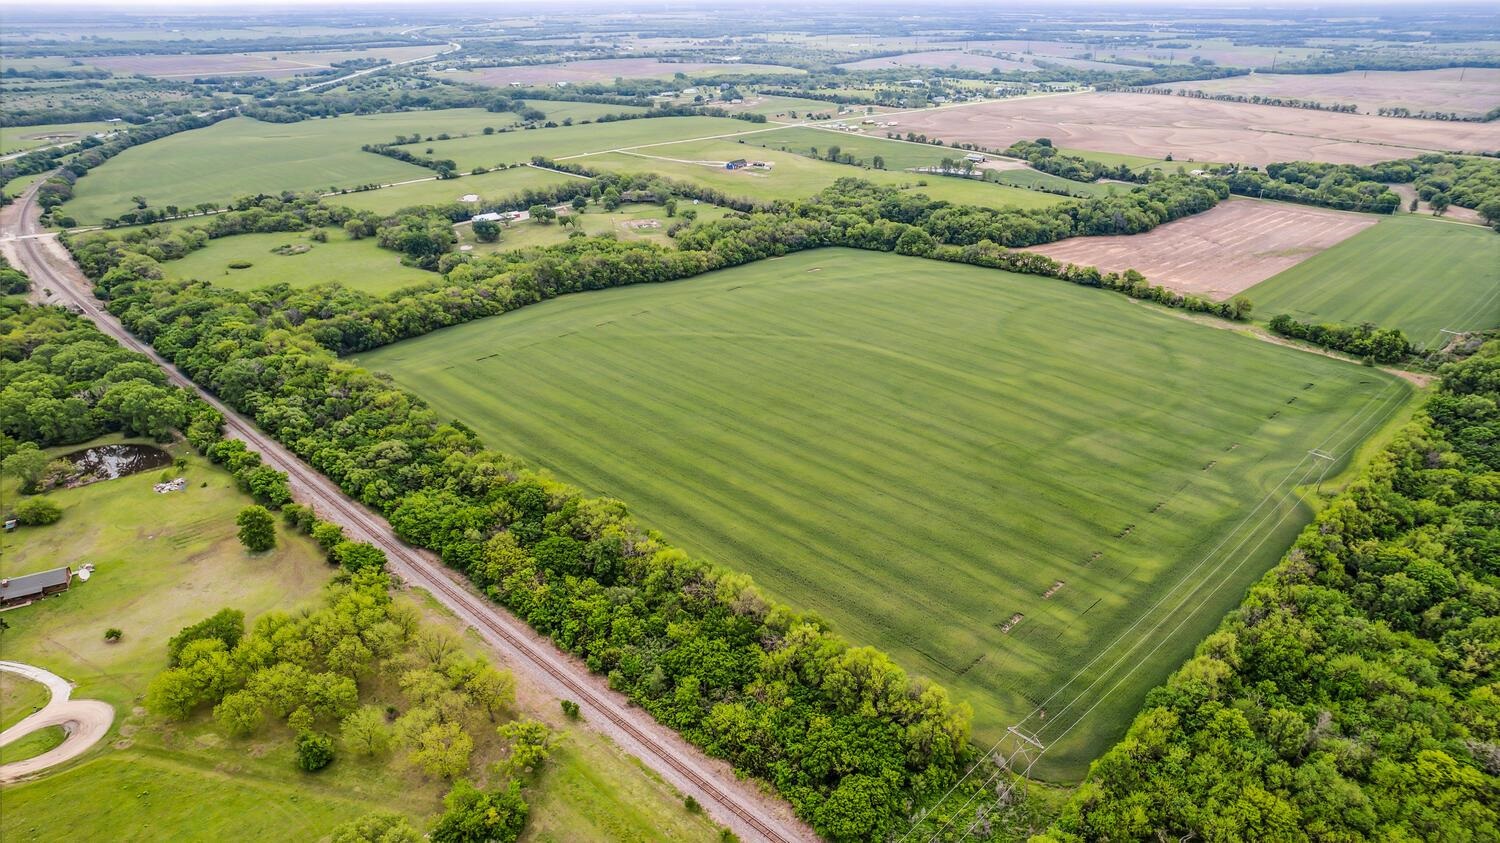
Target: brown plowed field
(1460, 90)
(1153, 126)
(1221, 251)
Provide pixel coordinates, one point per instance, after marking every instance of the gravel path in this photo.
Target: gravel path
(85, 721)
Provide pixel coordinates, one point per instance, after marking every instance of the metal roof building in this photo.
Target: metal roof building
(15, 590)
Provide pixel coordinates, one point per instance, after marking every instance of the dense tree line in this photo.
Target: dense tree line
(135, 101)
(1042, 155)
(12, 280)
(362, 676)
(62, 381)
(1353, 695)
(1383, 345)
(1440, 179)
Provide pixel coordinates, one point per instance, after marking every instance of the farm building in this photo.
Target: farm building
(488, 216)
(736, 164)
(16, 590)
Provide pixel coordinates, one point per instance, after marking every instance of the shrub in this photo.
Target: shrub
(570, 709)
(113, 634)
(314, 751)
(240, 264)
(35, 512)
(257, 529)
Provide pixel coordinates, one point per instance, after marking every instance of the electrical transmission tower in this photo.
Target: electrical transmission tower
(1013, 758)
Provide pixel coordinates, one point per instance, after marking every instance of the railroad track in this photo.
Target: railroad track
(52, 268)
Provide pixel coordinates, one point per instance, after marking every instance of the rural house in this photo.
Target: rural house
(15, 590)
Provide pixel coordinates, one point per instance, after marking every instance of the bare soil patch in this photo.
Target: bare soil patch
(1408, 192)
(1457, 90)
(1154, 126)
(604, 70)
(1220, 252)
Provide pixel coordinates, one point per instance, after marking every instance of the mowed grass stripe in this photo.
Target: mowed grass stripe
(913, 450)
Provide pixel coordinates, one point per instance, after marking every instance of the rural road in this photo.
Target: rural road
(85, 721)
(740, 805)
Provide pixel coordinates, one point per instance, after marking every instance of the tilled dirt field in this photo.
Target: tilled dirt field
(1461, 90)
(1154, 126)
(1220, 252)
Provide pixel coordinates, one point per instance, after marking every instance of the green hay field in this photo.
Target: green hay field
(1409, 272)
(496, 184)
(357, 264)
(563, 141)
(165, 561)
(797, 176)
(241, 156)
(916, 451)
(19, 138)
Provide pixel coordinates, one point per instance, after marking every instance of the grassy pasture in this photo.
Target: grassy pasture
(898, 155)
(19, 698)
(1409, 272)
(560, 110)
(240, 155)
(165, 561)
(563, 141)
(357, 264)
(916, 451)
(20, 138)
(621, 222)
(796, 176)
(495, 184)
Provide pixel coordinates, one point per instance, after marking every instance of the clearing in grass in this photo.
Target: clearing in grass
(241, 156)
(493, 185)
(793, 176)
(295, 258)
(565, 141)
(921, 453)
(1415, 273)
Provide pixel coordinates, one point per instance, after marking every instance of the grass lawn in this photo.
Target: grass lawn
(1409, 272)
(898, 155)
(1136, 163)
(797, 176)
(165, 561)
(357, 264)
(916, 451)
(495, 184)
(242, 156)
(19, 698)
(562, 141)
(1038, 180)
(20, 138)
(32, 745)
(621, 222)
(560, 110)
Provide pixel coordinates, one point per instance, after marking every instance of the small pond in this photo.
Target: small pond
(106, 462)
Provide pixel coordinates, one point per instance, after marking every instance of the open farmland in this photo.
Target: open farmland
(495, 184)
(1220, 252)
(1409, 272)
(1153, 126)
(567, 141)
(357, 264)
(20, 138)
(270, 64)
(794, 176)
(242, 156)
(942, 59)
(920, 452)
(605, 70)
(1466, 91)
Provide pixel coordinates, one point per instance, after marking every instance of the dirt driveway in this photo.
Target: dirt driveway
(85, 721)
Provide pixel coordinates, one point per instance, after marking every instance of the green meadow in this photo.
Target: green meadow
(242, 156)
(1409, 272)
(988, 475)
(357, 264)
(795, 176)
(563, 141)
(21, 138)
(165, 561)
(496, 184)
